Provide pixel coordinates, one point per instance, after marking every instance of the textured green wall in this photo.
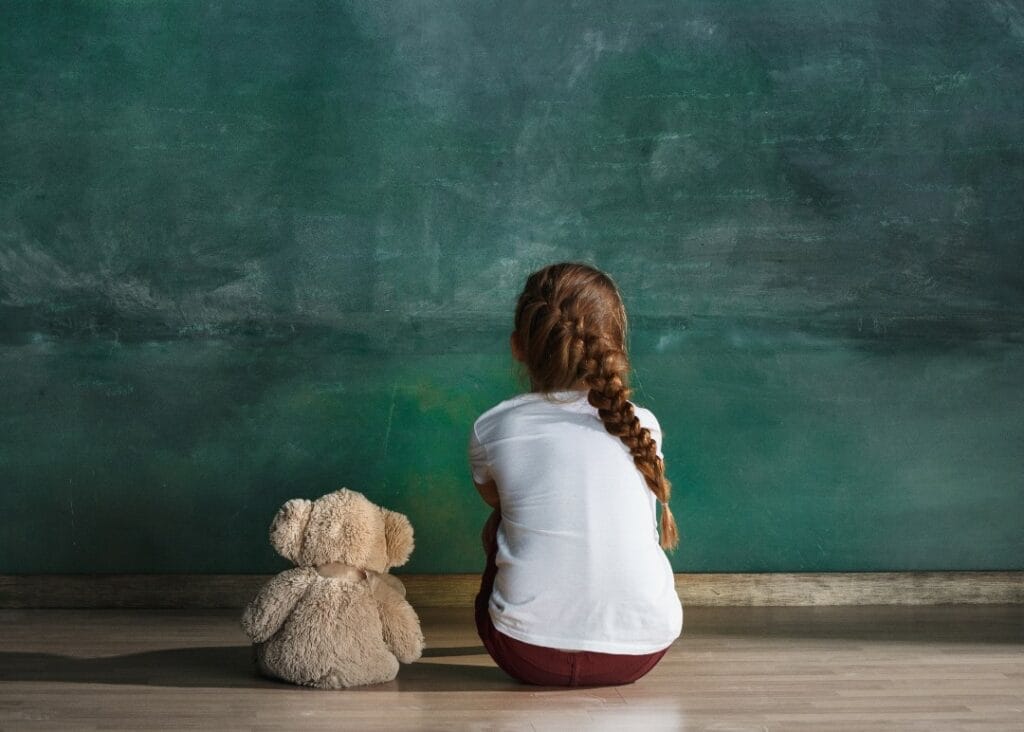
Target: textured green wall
(253, 251)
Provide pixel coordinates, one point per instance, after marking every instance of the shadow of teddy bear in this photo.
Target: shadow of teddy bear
(232, 667)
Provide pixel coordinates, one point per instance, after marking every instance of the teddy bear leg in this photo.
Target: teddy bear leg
(378, 671)
(269, 663)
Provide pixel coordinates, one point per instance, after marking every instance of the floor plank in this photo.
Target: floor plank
(751, 668)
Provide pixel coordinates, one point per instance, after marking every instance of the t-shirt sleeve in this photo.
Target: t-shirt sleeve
(478, 463)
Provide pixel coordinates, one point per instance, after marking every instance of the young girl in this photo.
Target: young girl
(577, 589)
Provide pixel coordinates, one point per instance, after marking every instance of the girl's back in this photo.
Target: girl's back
(578, 557)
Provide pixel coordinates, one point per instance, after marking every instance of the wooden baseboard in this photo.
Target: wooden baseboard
(458, 590)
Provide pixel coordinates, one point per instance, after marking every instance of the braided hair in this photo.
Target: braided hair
(570, 325)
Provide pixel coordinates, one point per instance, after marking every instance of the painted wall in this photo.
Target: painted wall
(253, 251)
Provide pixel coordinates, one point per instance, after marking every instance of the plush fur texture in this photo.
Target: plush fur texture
(337, 619)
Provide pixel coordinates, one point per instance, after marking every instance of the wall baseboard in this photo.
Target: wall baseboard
(458, 590)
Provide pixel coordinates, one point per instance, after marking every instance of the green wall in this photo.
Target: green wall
(253, 251)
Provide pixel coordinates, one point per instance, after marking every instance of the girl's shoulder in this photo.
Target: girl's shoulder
(528, 403)
(555, 402)
(502, 407)
(495, 414)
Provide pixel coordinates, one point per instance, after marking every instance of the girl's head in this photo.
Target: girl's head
(570, 332)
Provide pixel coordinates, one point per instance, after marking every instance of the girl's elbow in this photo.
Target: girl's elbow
(488, 492)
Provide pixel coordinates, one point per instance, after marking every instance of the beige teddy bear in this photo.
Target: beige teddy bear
(337, 619)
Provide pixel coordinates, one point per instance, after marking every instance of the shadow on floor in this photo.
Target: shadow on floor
(454, 651)
(232, 667)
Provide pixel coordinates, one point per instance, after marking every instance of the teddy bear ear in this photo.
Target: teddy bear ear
(398, 533)
(289, 527)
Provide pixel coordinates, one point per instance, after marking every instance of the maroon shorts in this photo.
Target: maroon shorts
(548, 666)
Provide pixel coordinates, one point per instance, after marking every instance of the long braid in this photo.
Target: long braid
(571, 324)
(606, 368)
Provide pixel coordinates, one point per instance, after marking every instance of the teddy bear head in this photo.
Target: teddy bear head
(343, 526)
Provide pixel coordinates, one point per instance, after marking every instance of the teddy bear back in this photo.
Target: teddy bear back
(343, 526)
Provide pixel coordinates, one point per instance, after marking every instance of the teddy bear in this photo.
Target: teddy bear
(337, 619)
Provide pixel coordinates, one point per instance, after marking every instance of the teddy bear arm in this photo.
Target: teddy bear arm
(275, 601)
(402, 633)
(401, 625)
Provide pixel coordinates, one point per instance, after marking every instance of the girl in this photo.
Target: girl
(577, 590)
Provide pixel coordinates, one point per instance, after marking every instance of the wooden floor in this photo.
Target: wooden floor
(831, 668)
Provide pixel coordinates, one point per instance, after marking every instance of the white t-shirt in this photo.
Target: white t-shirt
(579, 565)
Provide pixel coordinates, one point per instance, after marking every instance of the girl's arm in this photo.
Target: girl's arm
(489, 492)
(481, 469)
